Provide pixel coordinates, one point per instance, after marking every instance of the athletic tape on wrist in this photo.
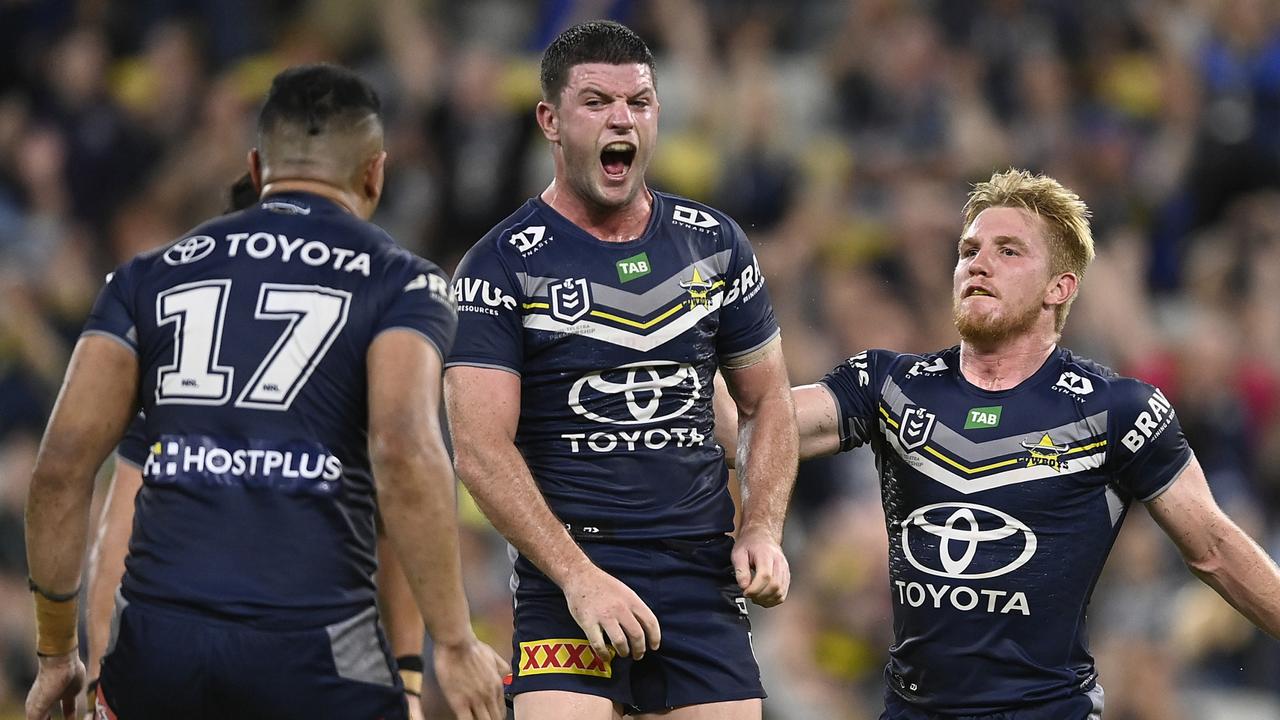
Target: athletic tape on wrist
(55, 626)
(412, 680)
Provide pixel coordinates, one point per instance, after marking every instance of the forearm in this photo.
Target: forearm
(400, 615)
(768, 449)
(106, 563)
(1242, 573)
(417, 501)
(57, 527)
(498, 478)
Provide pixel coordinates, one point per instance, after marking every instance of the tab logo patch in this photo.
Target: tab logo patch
(636, 266)
(983, 417)
(567, 656)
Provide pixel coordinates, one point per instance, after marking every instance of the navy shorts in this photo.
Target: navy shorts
(706, 654)
(1086, 706)
(165, 663)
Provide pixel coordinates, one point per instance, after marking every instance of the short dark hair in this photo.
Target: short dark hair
(598, 41)
(318, 98)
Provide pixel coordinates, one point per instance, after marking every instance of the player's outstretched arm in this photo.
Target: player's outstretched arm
(484, 410)
(405, 628)
(417, 503)
(1217, 550)
(816, 421)
(766, 461)
(92, 411)
(106, 561)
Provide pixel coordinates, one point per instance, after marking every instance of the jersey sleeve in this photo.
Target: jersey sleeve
(113, 312)
(1150, 450)
(747, 322)
(855, 387)
(133, 446)
(422, 303)
(490, 329)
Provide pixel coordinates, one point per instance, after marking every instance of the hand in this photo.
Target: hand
(609, 612)
(415, 706)
(59, 680)
(760, 567)
(470, 674)
(90, 700)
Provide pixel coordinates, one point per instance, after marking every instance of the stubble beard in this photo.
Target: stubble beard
(990, 328)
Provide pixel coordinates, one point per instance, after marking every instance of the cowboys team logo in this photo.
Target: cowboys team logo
(915, 428)
(698, 289)
(570, 299)
(189, 250)
(1045, 452)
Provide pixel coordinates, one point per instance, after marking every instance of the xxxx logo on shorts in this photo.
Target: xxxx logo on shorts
(570, 656)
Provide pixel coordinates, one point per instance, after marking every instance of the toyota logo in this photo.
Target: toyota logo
(966, 541)
(637, 393)
(189, 250)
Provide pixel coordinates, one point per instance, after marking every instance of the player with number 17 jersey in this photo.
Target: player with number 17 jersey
(257, 502)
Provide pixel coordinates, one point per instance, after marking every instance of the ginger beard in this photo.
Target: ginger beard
(987, 320)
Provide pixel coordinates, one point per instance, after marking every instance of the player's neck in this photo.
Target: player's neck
(343, 198)
(608, 224)
(1002, 365)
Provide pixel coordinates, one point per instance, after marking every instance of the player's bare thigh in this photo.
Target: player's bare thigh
(733, 710)
(561, 705)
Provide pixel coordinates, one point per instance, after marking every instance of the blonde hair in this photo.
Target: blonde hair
(1065, 216)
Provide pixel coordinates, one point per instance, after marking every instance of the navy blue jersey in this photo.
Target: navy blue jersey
(252, 333)
(1001, 508)
(133, 446)
(616, 345)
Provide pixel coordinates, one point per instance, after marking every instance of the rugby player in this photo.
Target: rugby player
(591, 323)
(400, 616)
(1007, 465)
(287, 358)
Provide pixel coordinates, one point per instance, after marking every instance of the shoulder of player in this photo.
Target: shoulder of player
(1088, 378)
(693, 215)
(876, 362)
(520, 229)
(909, 366)
(1126, 398)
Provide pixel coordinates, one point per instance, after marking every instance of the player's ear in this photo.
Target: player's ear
(375, 176)
(255, 169)
(548, 120)
(1062, 287)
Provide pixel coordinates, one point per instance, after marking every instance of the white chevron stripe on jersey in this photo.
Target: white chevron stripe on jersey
(968, 486)
(626, 338)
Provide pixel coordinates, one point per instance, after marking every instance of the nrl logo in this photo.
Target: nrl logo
(916, 427)
(698, 289)
(570, 299)
(1046, 453)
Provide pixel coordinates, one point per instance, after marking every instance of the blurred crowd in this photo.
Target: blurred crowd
(842, 134)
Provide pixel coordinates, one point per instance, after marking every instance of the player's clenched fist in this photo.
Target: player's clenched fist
(760, 568)
(470, 674)
(610, 613)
